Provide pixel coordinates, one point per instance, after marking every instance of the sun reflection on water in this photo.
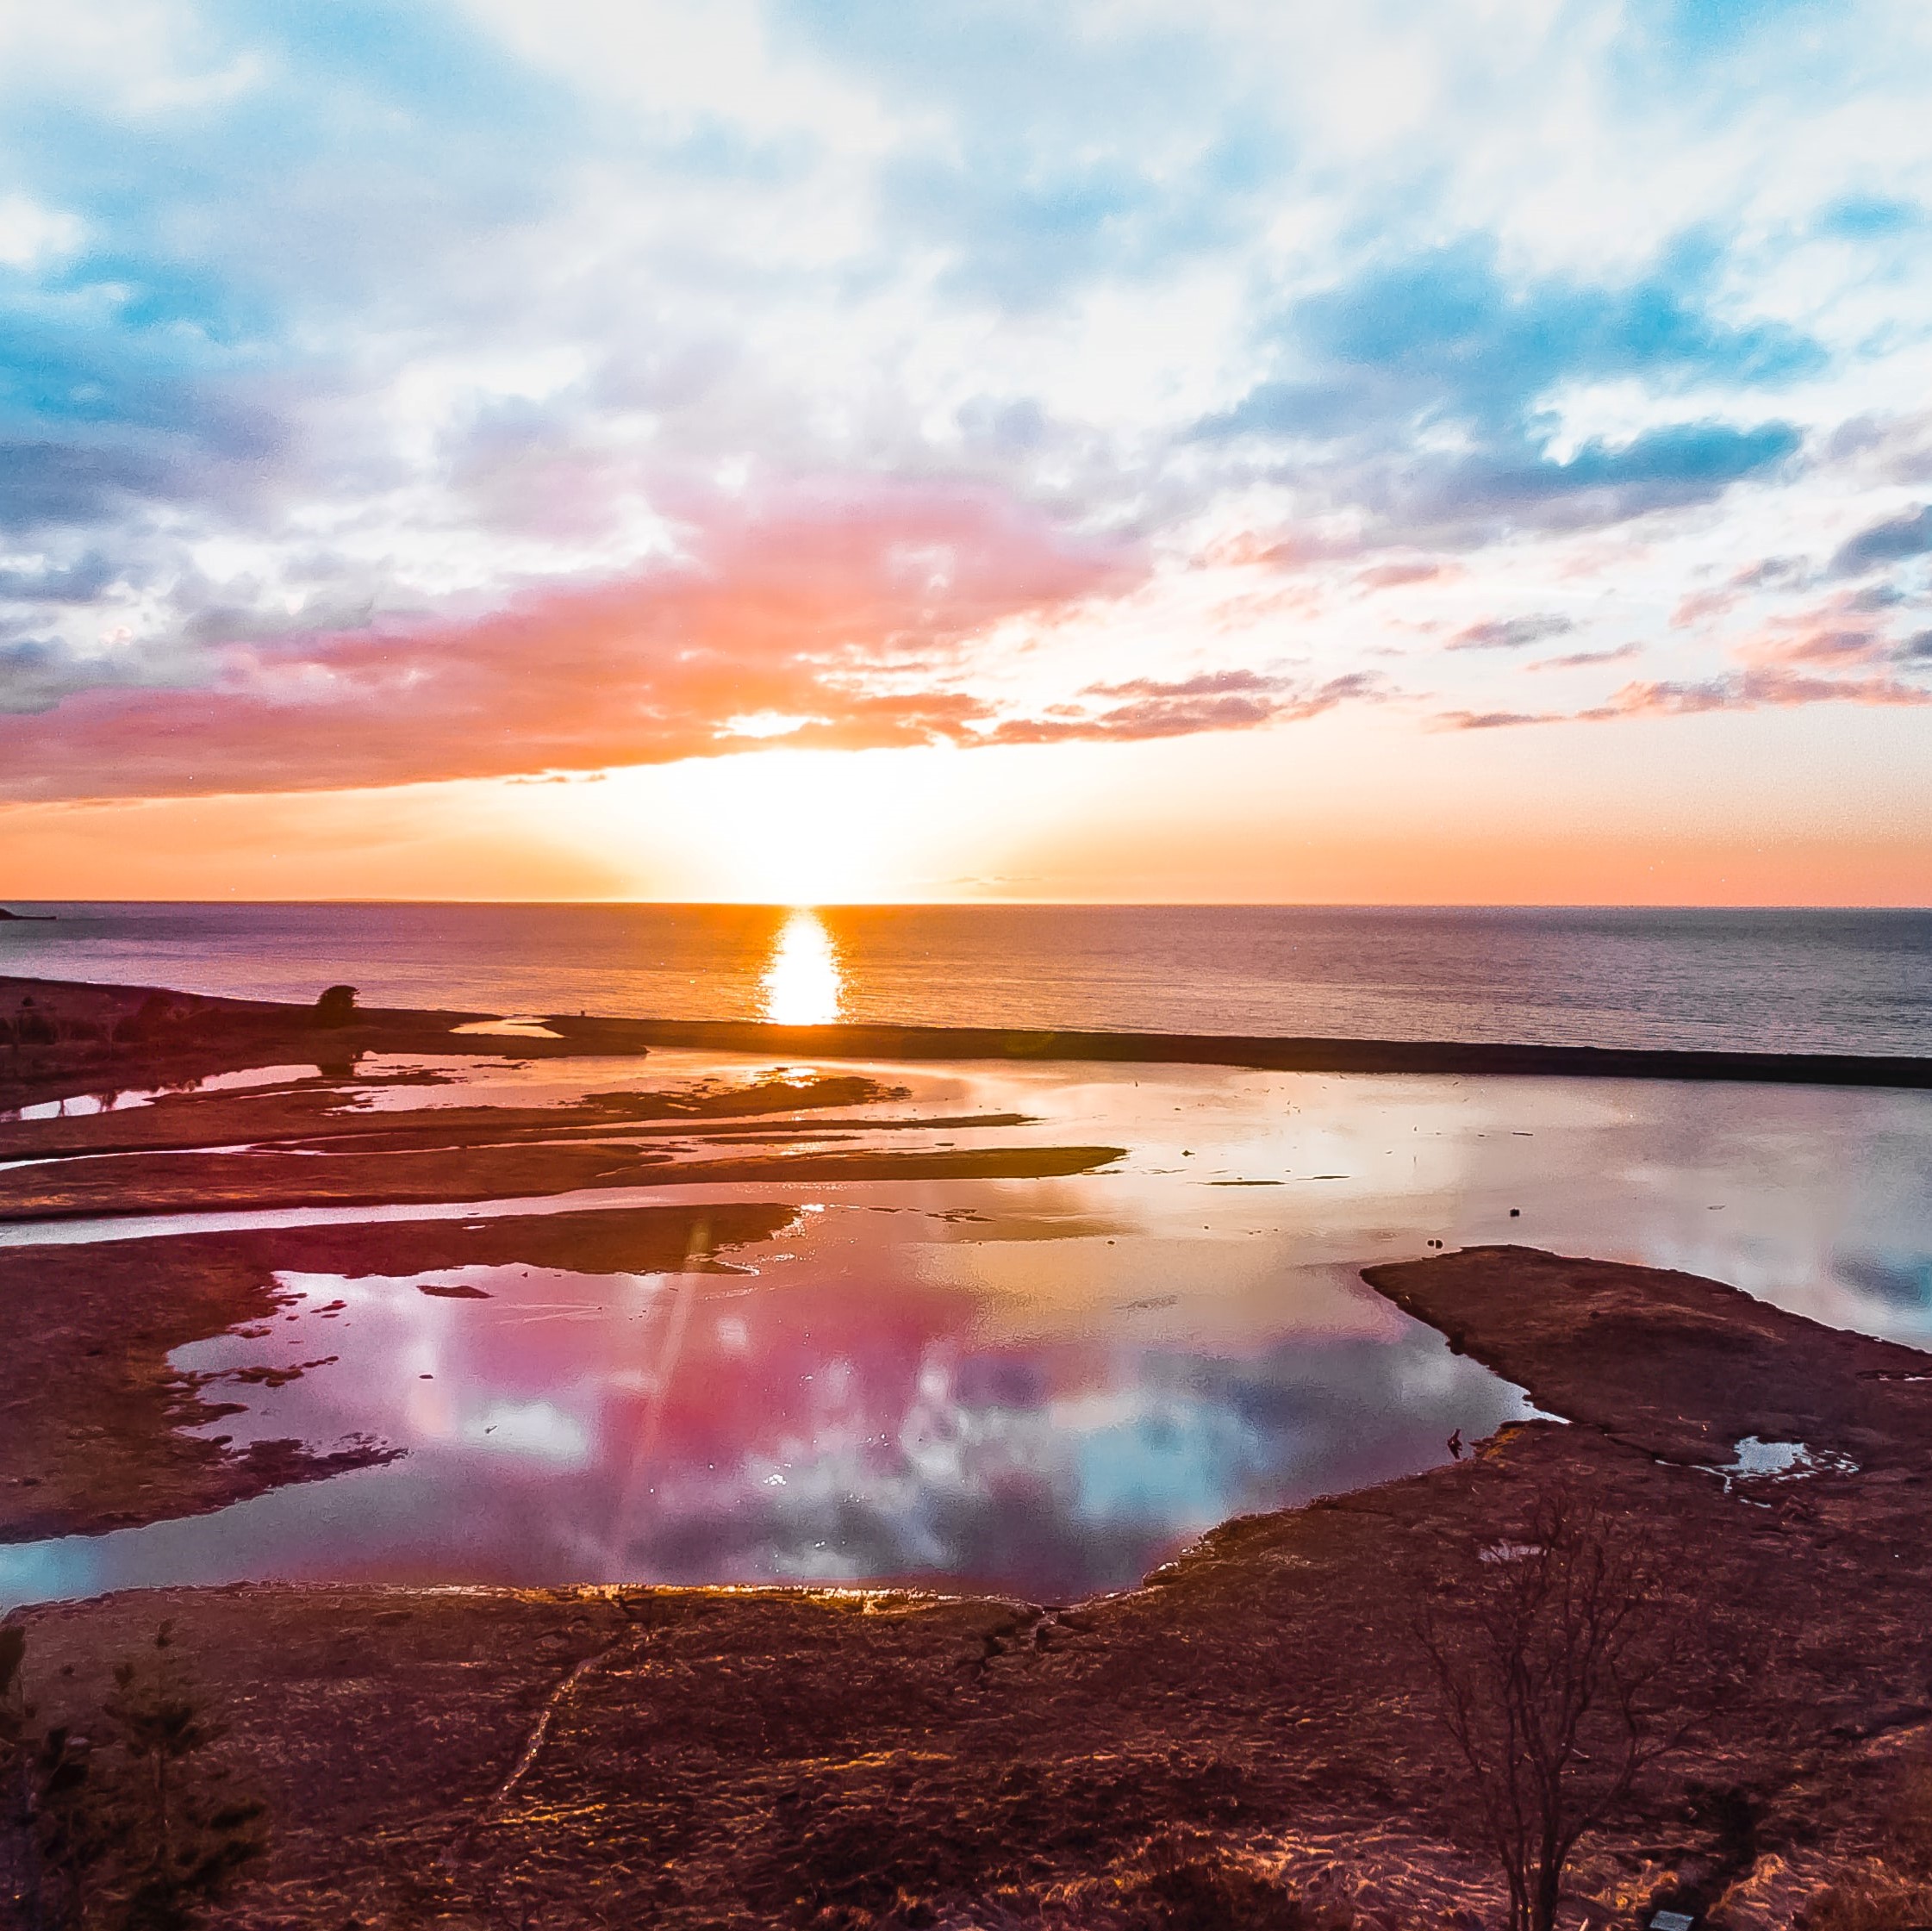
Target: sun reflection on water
(803, 984)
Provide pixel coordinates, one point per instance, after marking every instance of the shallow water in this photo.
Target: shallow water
(1044, 1386)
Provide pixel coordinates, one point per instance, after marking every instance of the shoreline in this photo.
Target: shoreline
(1275, 1055)
(112, 1029)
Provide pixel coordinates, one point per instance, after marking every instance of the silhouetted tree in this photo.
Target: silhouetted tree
(1564, 1663)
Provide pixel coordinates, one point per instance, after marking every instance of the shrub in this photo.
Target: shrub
(336, 1006)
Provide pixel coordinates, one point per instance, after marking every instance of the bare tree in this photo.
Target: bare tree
(1563, 1667)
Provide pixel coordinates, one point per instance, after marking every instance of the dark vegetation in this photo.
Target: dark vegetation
(1890, 1889)
(134, 1824)
(336, 1006)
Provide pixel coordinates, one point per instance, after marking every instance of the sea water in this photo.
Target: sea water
(1857, 982)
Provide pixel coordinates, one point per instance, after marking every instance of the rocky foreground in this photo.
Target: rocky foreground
(1252, 1736)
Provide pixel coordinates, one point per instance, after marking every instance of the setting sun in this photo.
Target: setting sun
(800, 828)
(803, 984)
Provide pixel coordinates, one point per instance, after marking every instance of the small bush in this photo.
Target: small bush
(1191, 1885)
(1869, 1906)
(336, 1006)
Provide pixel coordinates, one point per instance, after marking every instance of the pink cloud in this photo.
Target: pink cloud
(1820, 646)
(1704, 604)
(854, 611)
(1147, 707)
(1389, 577)
(1577, 660)
(1495, 720)
(1757, 689)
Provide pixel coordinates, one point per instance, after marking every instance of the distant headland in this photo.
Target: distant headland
(28, 918)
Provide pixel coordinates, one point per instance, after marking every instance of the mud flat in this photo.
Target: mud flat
(92, 1414)
(880, 1758)
(139, 1184)
(91, 1410)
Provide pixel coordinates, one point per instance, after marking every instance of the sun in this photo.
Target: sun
(793, 828)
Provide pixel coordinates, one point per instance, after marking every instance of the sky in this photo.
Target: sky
(1424, 451)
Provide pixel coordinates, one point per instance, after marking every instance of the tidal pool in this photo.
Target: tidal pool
(1044, 1385)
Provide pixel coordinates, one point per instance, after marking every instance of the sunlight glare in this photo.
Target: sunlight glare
(803, 984)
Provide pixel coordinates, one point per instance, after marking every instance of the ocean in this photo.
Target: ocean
(1750, 980)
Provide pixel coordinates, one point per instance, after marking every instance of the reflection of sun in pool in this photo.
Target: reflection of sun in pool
(802, 983)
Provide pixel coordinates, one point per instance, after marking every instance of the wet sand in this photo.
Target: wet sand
(141, 1184)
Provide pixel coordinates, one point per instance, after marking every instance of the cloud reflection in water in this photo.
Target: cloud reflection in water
(855, 1411)
(1042, 1386)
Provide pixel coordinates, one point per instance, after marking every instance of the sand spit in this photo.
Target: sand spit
(162, 1183)
(77, 1036)
(1275, 1055)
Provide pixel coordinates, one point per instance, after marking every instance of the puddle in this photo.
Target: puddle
(877, 1395)
(1042, 1386)
(1781, 1461)
(81, 1106)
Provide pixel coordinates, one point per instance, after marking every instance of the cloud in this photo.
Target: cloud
(1511, 634)
(1493, 720)
(1599, 484)
(848, 610)
(1446, 331)
(1443, 349)
(1826, 647)
(35, 676)
(1770, 572)
(1889, 542)
(81, 581)
(1579, 660)
(1225, 701)
(1388, 576)
(396, 394)
(1758, 688)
